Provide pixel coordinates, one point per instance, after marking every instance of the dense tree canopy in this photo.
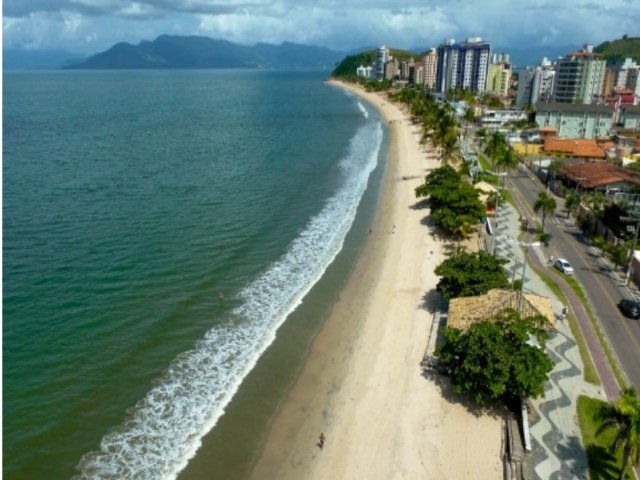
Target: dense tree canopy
(495, 360)
(466, 274)
(455, 203)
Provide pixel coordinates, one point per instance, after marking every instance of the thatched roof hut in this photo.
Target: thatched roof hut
(465, 311)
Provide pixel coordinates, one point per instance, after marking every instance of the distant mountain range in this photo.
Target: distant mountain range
(15, 59)
(193, 52)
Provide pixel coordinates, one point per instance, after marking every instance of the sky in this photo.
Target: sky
(92, 26)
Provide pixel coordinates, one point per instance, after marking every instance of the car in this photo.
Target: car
(629, 308)
(564, 266)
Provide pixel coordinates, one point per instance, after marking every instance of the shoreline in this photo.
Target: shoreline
(362, 384)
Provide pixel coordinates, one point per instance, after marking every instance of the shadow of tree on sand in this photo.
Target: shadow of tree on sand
(420, 204)
(443, 382)
(432, 301)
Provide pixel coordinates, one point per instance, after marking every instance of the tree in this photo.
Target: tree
(454, 202)
(545, 204)
(552, 171)
(623, 419)
(496, 145)
(495, 360)
(572, 202)
(466, 274)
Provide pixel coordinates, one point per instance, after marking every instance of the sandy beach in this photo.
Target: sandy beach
(362, 384)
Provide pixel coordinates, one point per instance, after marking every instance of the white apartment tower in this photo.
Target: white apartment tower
(382, 57)
(535, 84)
(463, 65)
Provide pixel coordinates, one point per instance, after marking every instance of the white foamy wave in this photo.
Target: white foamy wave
(363, 110)
(164, 429)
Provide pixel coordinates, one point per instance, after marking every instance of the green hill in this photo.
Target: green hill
(618, 50)
(347, 67)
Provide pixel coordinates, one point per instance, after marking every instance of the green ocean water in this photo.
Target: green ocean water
(130, 200)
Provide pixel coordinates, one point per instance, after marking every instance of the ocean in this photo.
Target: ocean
(166, 233)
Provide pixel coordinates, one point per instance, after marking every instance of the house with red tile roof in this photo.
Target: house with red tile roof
(599, 176)
(573, 148)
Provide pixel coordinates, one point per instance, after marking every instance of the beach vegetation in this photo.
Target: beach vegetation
(467, 274)
(454, 202)
(498, 359)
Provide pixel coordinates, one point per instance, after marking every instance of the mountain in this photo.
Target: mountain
(16, 59)
(618, 50)
(193, 52)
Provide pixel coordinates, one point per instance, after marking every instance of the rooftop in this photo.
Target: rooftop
(598, 174)
(465, 311)
(572, 107)
(580, 147)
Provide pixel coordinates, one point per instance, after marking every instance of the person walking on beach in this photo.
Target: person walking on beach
(321, 440)
(393, 230)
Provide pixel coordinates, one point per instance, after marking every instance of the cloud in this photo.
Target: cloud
(94, 25)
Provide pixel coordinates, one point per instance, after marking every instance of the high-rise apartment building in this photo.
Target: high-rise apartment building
(430, 65)
(463, 65)
(535, 84)
(382, 57)
(579, 77)
(499, 75)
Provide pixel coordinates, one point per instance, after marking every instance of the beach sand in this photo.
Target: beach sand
(362, 383)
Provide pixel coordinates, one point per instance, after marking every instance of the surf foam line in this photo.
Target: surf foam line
(164, 429)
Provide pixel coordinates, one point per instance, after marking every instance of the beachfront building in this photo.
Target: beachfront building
(499, 75)
(464, 65)
(364, 72)
(579, 77)
(391, 70)
(430, 65)
(576, 120)
(382, 57)
(499, 118)
(535, 84)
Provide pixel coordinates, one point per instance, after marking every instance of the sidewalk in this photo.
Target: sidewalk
(556, 439)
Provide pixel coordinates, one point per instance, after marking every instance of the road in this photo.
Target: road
(602, 286)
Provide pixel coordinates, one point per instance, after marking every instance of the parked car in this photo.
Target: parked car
(630, 308)
(564, 266)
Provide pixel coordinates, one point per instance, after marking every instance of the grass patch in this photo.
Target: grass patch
(603, 465)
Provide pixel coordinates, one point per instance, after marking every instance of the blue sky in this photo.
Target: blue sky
(90, 26)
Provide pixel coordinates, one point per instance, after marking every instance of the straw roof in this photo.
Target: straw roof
(465, 311)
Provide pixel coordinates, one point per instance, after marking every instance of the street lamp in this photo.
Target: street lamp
(524, 269)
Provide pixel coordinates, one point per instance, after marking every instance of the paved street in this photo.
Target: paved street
(602, 284)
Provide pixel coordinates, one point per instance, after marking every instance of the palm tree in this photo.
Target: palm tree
(496, 145)
(624, 419)
(572, 202)
(546, 205)
(506, 160)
